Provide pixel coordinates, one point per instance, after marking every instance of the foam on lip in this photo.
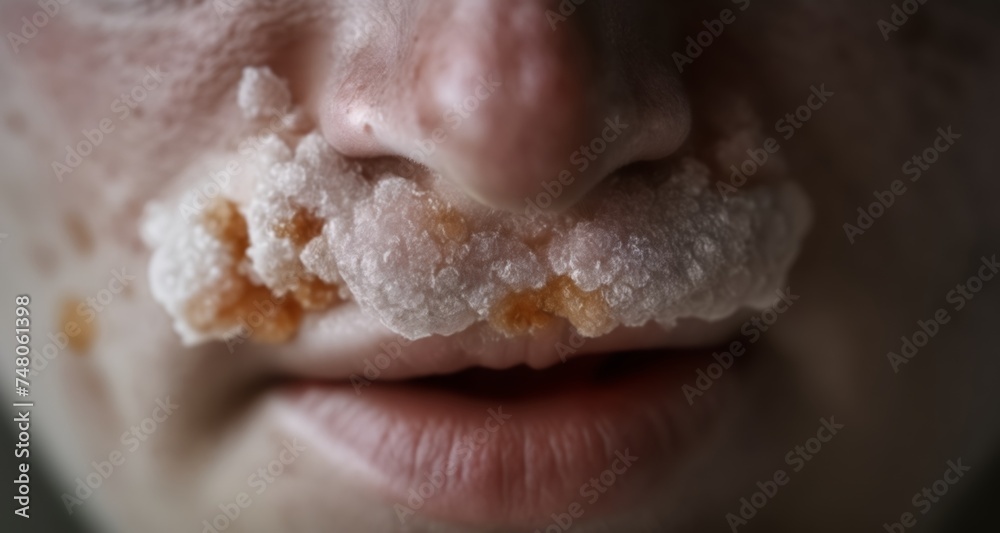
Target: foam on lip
(318, 232)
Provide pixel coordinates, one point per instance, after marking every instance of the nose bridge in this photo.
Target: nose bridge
(508, 46)
(502, 93)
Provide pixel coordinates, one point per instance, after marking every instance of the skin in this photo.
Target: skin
(376, 92)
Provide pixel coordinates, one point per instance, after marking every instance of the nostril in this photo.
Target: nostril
(507, 108)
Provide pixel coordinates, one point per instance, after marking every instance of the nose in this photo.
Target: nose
(513, 101)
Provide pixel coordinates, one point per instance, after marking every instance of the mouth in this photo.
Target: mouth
(485, 446)
(479, 429)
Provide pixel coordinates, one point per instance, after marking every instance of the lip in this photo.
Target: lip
(483, 457)
(371, 403)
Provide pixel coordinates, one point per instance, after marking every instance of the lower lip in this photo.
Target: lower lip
(481, 458)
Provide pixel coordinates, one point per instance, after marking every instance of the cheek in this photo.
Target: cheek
(158, 87)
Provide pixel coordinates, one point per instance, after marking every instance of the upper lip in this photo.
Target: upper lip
(347, 345)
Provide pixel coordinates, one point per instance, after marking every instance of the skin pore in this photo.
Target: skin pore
(376, 78)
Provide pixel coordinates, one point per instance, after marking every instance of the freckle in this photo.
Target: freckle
(79, 234)
(79, 332)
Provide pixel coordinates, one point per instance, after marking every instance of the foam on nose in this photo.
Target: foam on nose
(414, 255)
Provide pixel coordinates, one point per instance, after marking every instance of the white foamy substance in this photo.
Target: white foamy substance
(423, 260)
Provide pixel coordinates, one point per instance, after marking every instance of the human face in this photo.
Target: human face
(826, 399)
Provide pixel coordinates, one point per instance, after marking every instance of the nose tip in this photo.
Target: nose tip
(498, 99)
(506, 110)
